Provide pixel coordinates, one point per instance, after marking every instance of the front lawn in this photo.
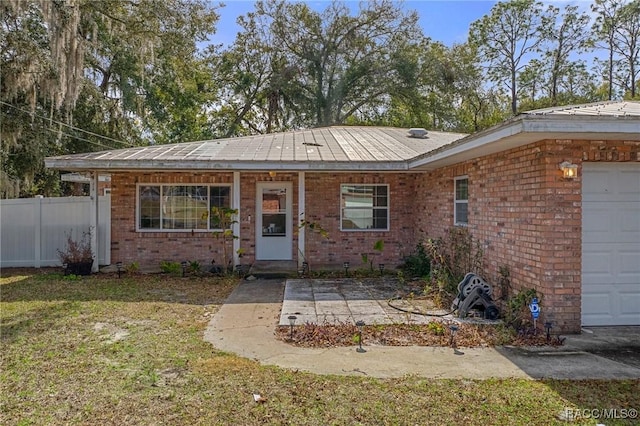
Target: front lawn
(109, 351)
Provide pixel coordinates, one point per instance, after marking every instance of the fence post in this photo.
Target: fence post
(37, 261)
(93, 192)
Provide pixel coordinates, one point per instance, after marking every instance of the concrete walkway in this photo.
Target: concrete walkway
(245, 326)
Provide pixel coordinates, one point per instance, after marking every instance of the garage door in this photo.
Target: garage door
(611, 244)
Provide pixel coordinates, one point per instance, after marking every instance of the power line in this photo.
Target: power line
(78, 137)
(127, 144)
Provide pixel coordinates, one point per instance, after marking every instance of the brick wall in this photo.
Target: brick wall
(323, 206)
(526, 216)
(150, 248)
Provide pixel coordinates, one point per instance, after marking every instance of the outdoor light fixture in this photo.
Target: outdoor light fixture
(454, 330)
(345, 265)
(360, 325)
(569, 170)
(119, 266)
(381, 266)
(272, 174)
(184, 268)
(292, 322)
(548, 326)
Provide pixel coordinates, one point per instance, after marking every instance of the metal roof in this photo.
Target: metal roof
(597, 121)
(353, 148)
(608, 108)
(339, 147)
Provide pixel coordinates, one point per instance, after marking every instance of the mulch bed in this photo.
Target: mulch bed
(468, 335)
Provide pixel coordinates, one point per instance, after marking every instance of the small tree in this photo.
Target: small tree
(314, 227)
(377, 246)
(223, 218)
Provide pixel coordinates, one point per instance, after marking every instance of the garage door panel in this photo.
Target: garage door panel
(628, 184)
(601, 224)
(596, 218)
(597, 185)
(629, 221)
(597, 308)
(597, 303)
(629, 302)
(607, 182)
(628, 261)
(596, 263)
(611, 244)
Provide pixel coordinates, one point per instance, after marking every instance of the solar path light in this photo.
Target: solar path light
(292, 322)
(360, 325)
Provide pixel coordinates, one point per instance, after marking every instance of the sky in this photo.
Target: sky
(444, 21)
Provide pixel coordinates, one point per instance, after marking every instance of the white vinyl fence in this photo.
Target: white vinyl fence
(33, 229)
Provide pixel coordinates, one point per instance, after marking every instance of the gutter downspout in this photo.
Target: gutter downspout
(93, 220)
(236, 226)
(301, 217)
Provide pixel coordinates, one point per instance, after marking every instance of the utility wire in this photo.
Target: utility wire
(127, 144)
(79, 138)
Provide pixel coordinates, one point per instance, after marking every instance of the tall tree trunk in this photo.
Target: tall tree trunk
(514, 94)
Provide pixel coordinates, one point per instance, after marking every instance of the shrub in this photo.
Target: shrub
(174, 268)
(516, 311)
(436, 328)
(418, 263)
(76, 251)
(133, 268)
(452, 257)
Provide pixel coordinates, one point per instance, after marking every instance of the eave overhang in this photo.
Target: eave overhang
(526, 129)
(195, 165)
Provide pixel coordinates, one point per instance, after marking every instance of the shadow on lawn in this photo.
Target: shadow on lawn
(34, 302)
(34, 321)
(51, 285)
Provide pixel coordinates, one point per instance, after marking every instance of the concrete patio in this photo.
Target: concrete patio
(343, 300)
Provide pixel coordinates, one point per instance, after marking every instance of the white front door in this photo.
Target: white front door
(611, 244)
(274, 225)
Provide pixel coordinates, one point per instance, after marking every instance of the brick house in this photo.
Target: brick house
(573, 237)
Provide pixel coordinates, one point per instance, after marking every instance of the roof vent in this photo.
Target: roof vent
(418, 133)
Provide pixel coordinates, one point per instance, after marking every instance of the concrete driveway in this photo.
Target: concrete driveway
(598, 352)
(245, 324)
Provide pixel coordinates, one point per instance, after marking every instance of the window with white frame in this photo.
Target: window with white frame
(180, 207)
(364, 207)
(461, 201)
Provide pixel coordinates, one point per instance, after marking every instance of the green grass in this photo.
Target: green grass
(110, 351)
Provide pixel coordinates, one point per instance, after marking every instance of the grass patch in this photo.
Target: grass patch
(102, 350)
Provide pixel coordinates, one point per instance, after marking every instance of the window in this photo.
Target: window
(461, 201)
(365, 207)
(180, 207)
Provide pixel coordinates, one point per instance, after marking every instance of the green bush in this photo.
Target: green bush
(436, 328)
(174, 268)
(418, 263)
